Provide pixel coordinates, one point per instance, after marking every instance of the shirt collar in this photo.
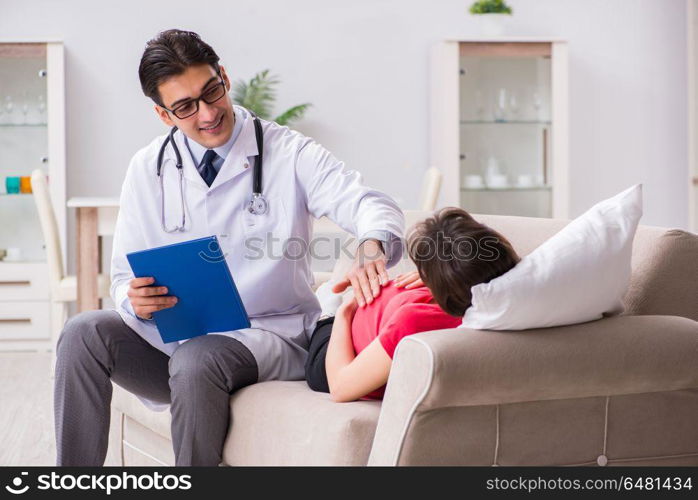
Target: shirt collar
(246, 147)
(197, 150)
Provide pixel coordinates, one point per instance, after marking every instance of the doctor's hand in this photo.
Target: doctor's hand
(368, 273)
(147, 299)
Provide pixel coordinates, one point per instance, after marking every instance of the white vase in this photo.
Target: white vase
(493, 24)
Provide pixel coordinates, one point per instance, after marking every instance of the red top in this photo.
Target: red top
(394, 314)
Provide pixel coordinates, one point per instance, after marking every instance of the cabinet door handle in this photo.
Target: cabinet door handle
(15, 283)
(9, 321)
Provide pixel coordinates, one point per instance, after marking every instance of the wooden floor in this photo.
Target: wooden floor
(26, 409)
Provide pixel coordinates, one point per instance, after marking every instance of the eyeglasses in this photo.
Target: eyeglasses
(191, 107)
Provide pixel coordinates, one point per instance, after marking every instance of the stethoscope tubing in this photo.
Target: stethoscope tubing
(255, 206)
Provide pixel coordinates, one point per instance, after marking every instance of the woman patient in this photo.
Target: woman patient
(351, 353)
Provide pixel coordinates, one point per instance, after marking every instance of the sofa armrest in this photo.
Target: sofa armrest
(464, 367)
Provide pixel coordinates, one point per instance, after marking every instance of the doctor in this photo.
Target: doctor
(220, 149)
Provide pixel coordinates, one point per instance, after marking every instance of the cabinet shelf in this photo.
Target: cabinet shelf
(4, 262)
(508, 188)
(23, 125)
(505, 122)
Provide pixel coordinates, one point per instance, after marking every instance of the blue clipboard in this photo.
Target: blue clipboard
(197, 274)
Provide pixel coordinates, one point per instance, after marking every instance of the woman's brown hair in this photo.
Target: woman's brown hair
(453, 252)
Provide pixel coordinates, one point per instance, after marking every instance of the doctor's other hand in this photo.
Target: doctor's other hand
(367, 274)
(147, 299)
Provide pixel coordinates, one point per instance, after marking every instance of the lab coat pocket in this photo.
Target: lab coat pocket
(268, 232)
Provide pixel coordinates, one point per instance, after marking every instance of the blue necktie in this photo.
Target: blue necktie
(207, 170)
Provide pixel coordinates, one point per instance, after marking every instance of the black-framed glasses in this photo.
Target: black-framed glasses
(191, 107)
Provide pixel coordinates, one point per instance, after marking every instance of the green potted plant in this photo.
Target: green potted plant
(494, 15)
(259, 95)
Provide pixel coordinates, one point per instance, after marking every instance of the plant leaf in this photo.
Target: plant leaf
(258, 94)
(292, 114)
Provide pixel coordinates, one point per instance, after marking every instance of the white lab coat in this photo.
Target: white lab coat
(301, 180)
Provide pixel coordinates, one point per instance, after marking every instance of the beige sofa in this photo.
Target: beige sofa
(619, 391)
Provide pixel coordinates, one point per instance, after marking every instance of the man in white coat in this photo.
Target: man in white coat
(195, 378)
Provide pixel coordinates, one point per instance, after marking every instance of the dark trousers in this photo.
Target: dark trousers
(315, 373)
(97, 348)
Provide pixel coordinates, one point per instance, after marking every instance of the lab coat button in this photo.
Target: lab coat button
(247, 165)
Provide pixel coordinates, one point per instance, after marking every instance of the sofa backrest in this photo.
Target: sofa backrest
(664, 263)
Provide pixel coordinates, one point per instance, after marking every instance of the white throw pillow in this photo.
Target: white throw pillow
(578, 275)
(329, 301)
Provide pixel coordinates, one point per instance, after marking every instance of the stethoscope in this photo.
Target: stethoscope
(258, 204)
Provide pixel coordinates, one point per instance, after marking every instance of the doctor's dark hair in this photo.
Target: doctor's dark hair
(170, 54)
(453, 252)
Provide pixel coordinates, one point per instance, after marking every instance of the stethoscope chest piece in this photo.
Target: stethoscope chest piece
(258, 204)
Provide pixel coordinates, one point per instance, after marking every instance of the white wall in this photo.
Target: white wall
(363, 64)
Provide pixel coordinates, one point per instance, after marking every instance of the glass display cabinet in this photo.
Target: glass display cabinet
(499, 125)
(32, 131)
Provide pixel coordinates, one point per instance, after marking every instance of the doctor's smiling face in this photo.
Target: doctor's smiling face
(212, 125)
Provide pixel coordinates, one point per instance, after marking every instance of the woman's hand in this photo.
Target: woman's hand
(409, 280)
(349, 306)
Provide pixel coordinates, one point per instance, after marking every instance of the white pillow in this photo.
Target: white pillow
(578, 275)
(329, 301)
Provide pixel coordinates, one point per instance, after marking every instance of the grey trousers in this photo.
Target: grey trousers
(97, 348)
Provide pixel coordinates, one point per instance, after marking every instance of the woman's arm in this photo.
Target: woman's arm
(350, 376)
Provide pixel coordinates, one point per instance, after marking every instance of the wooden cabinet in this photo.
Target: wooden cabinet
(24, 305)
(32, 135)
(499, 125)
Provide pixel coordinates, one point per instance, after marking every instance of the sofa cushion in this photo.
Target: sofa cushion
(130, 405)
(280, 423)
(285, 423)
